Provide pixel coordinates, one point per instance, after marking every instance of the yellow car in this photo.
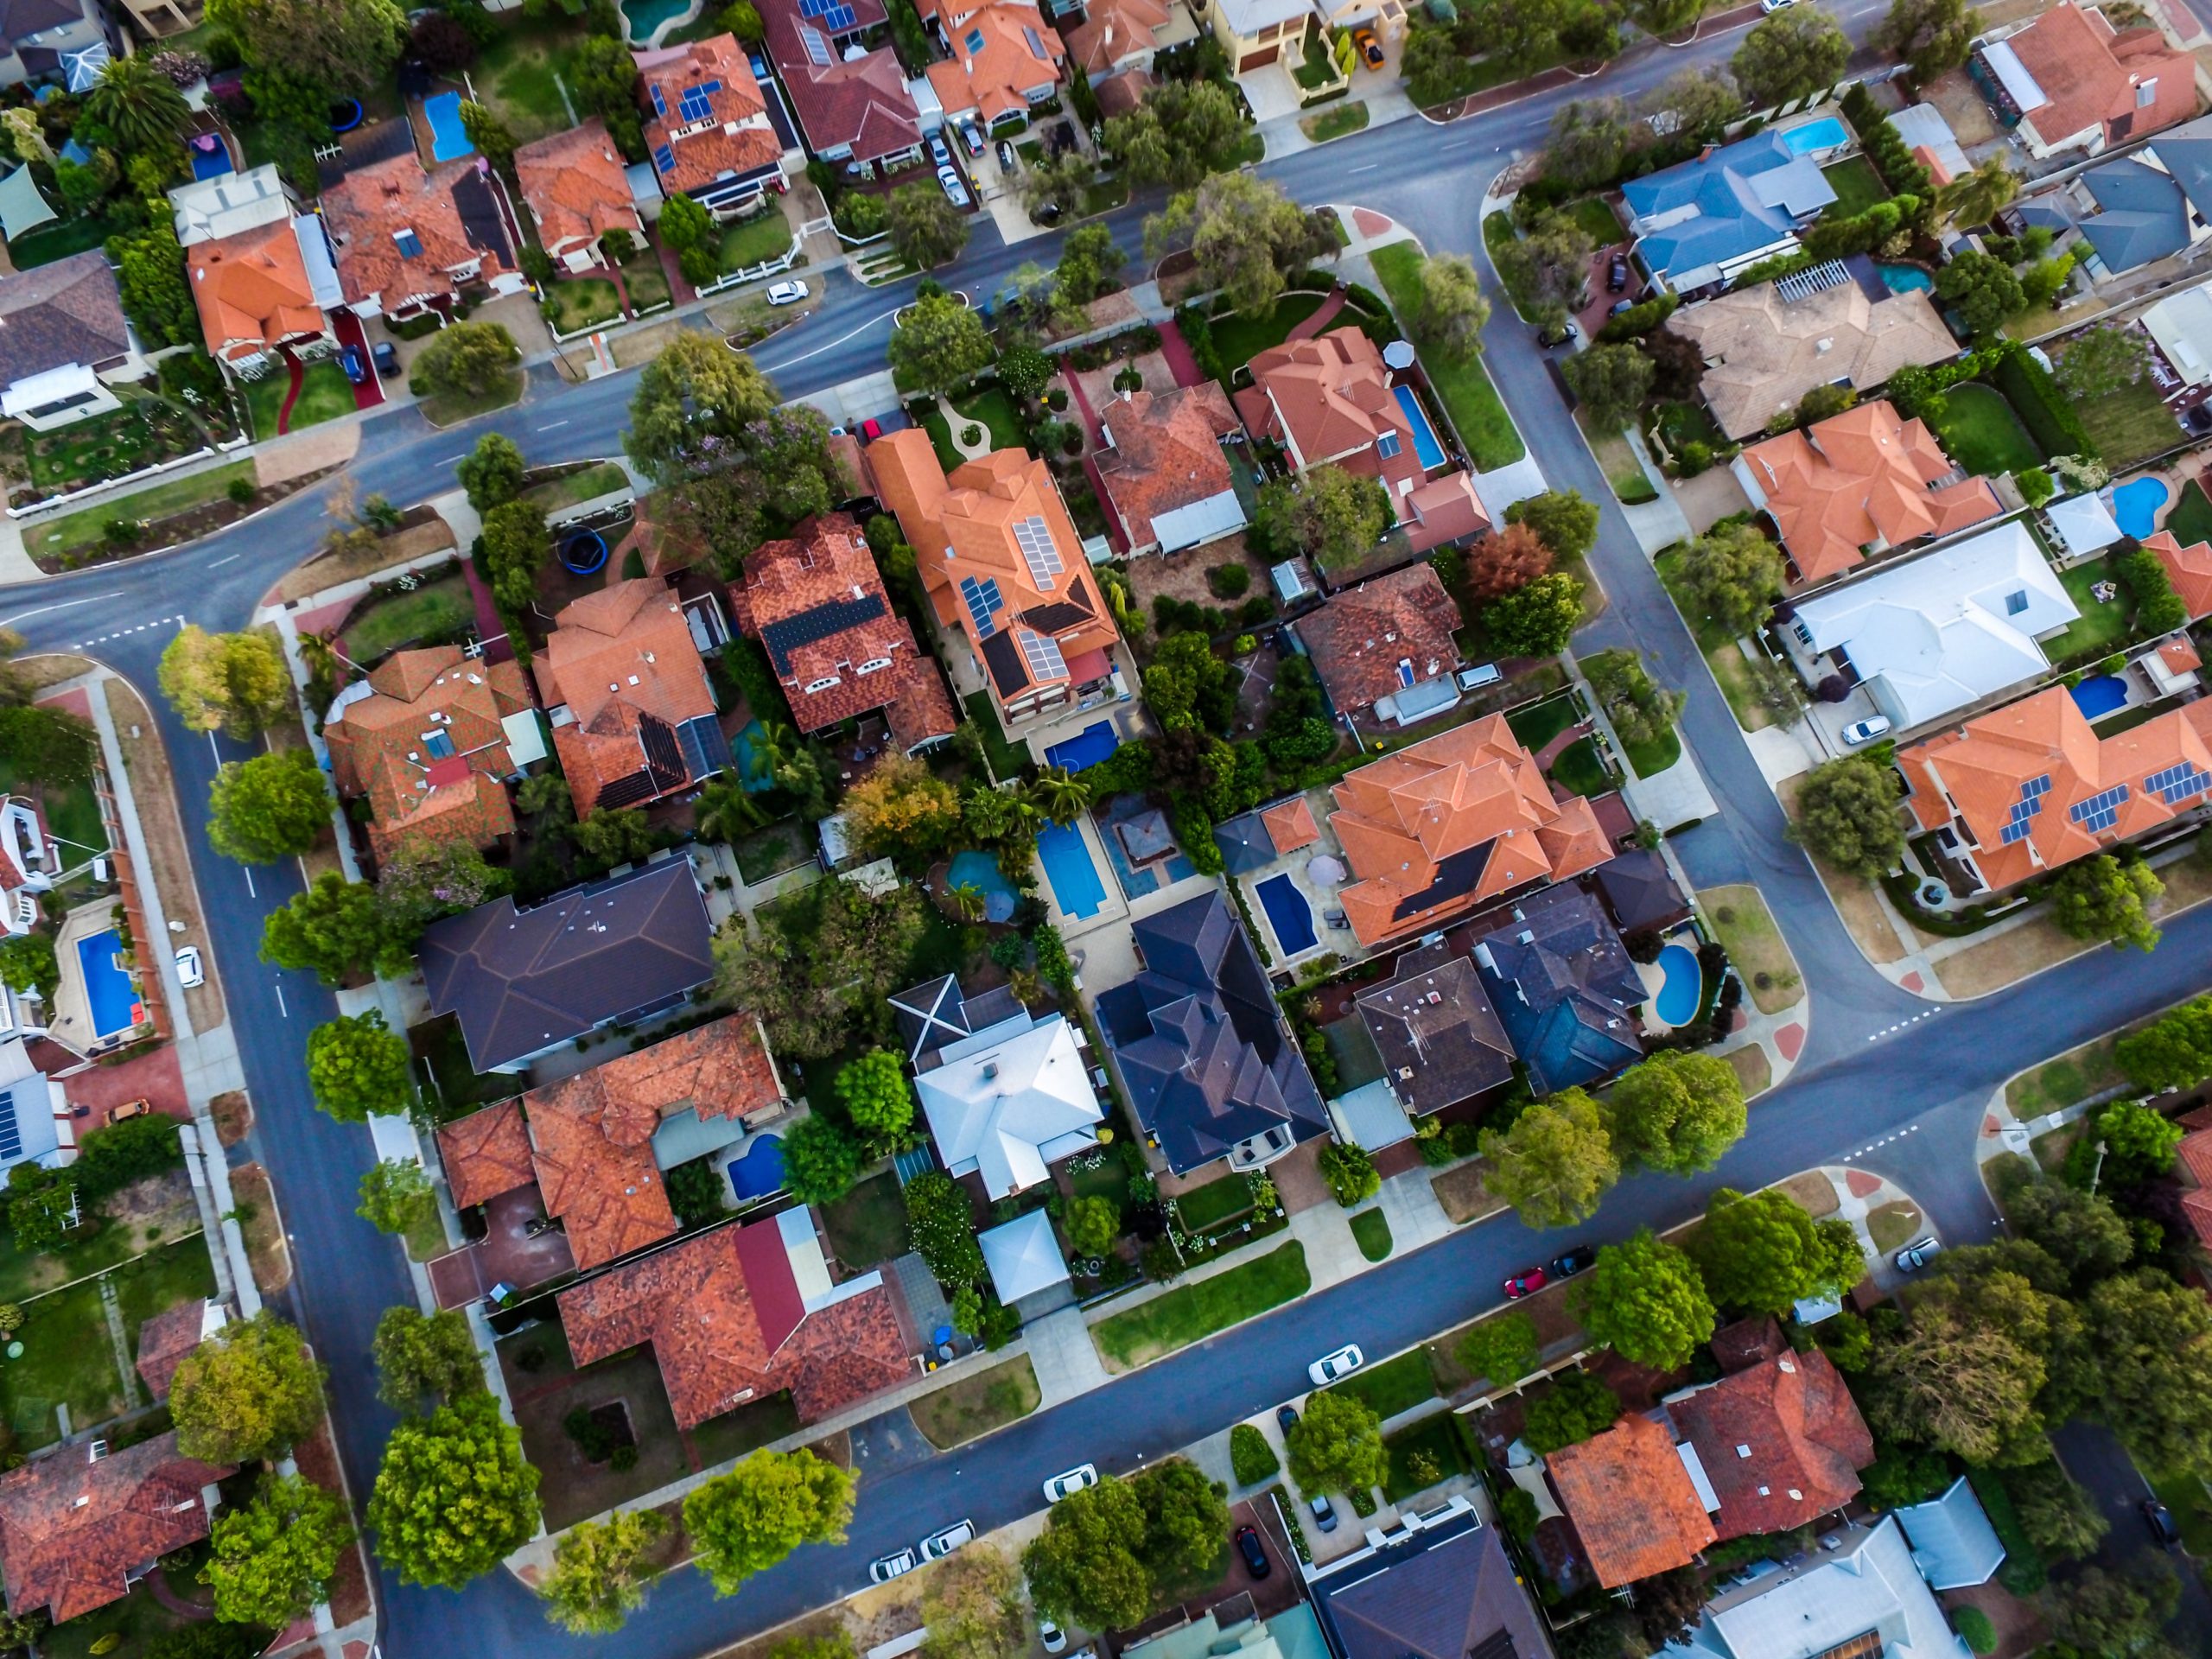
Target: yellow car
(1371, 50)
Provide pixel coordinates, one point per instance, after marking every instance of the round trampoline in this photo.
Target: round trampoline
(345, 116)
(583, 552)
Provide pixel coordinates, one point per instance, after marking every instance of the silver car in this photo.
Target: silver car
(892, 1567)
(939, 1545)
(1918, 1254)
(956, 191)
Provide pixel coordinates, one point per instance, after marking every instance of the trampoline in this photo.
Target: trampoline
(345, 116)
(583, 552)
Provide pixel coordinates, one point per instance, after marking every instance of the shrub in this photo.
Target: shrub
(1227, 581)
(1350, 1173)
(1250, 1458)
(1974, 1629)
(240, 490)
(2045, 410)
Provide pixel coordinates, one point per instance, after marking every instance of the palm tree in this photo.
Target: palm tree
(774, 747)
(1977, 198)
(967, 901)
(726, 812)
(140, 106)
(1059, 796)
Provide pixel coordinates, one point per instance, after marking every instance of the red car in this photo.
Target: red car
(1525, 1283)
(871, 429)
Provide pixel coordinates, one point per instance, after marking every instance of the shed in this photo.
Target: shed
(1953, 1543)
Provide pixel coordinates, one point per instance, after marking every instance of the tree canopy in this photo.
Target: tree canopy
(971, 1608)
(746, 1521)
(1762, 1253)
(693, 402)
(358, 1069)
(1791, 53)
(1646, 1299)
(1246, 235)
(1555, 1163)
(466, 359)
(938, 344)
(1678, 1111)
(246, 1395)
(272, 806)
(1848, 817)
(454, 1495)
(925, 228)
(2104, 898)
(425, 1356)
(601, 1573)
(272, 1559)
(1733, 575)
(343, 48)
(234, 682)
(1338, 1444)
(1184, 130)
(1107, 1551)
(1335, 516)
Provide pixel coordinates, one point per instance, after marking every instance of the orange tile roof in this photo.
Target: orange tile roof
(1360, 637)
(1330, 398)
(253, 293)
(2189, 569)
(1632, 1502)
(733, 134)
(371, 208)
(2180, 655)
(1442, 510)
(1167, 455)
(615, 658)
(1114, 30)
(1977, 775)
(74, 1529)
(1290, 825)
(575, 188)
(609, 1195)
(1442, 825)
(1001, 52)
(1863, 478)
(1781, 1443)
(2091, 76)
(165, 1339)
(2197, 1206)
(485, 1154)
(666, 541)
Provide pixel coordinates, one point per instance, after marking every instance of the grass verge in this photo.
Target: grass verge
(1190, 1313)
(976, 1405)
(1477, 412)
(1762, 955)
(1370, 1229)
(1394, 1386)
(450, 409)
(85, 528)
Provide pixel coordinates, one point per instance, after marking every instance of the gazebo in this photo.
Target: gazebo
(1028, 1269)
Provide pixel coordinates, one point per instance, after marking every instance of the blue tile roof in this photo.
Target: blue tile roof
(1562, 984)
(2144, 215)
(1740, 199)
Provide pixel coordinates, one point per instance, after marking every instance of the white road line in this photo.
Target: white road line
(1370, 167)
(552, 426)
(213, 750)
(249, 891)
(225, 560)
(281, 1009)
(450, 460)
(794, 362)
(23, 616)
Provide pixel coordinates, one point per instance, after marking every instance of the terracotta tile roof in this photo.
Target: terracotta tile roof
(1167, 455)
(2093, 77)
(617, 658)
(2189, 569)
(664, 541)
(1862, 478)
(253, 293)
(1748, 1342)
(1330, 397)
(608, 1194)
(2197, 1206)
(575, 188)
(1442, 510)
(380, 746)
(2195, 1153)
(1114, 30)
(729, 131)
(377, 213)
(74, 1529)
(1446, 824)
(727, 1323)
(2040, 756)
(2180, 655)
(1632, 1502)
(860, 102)
(817, 604)
(485, 1154)
(1002, 50)
(1122, 93)
(1290, 825)
(1360, 638)
(165, 1339)
(1781, 1443)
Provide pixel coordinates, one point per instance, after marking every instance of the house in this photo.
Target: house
(36, 1125)
(1854, 1592)
(2189, 569)
(1293, 1633)
(1203, 1049)
(852, 104)
(708, 128)
(1252, 841)
(1028, 1271)
(1442, 1590)
(1932, 635)
(1450, 822)
(1630, 1498)
(1005, 571)
(1564, 987)
(1776, 1445)
(737, 1315)
(1954, 1544)
(1440, 1040)
(577, 193)
(624, 687)
(168, 1338)
(2029, 788)
(1765, 347)
(257, 302)
(523, 982)
(932, 1017)
(1165, 475)
(2069, 80)
(407, 239)
(1863, 483)
(1004, 60)
(1697, 225)
(2152, 204)
(80, 1527)
(37, 36)
(1927, 134)
(2180, 326)
(1010, 1101)
(1640, 891)
(1119, 36)
(817, 605)
(64, 342)
(208, 210)
(155, 18)
(1384, 649)
(1256, 33)
(433, 738)
(30, 863)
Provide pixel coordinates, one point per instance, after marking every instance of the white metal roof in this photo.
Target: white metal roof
(2084, 524)
(1007, 1101)
(1024, 1257)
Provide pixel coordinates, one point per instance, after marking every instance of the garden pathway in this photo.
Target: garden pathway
(119, 1341)
(298, 379)
(1322, 318)
(1565, 740)
(1176, 350)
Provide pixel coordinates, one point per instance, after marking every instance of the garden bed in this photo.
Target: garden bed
(1437, 1440)
(144, 432)
(987, 407)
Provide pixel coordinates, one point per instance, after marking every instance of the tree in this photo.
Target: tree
(234, 682)
(1504, 562)
(877, 1095)
(971, 1608)
(420, 1355)
(1433, 65)
(454, 1495)
(2114, 1616)
(1182, 131)
(334, 929)
(1247, 237)
(1084, 1569)
(1974, 198)
(1763, 1253)
(2139, 1143)
(1791, 53)
(1932, 36)
(493, 473)
(1574, 1408)
(1185, 1524)
(343, 48)
(601, 1573)
(441, 43)
(1548, 266)
(2081, 1231)
(466, 359)
(1538, 619)
(2106, 898)
(941, 1228)
(423, 879)
(1334, 515)
(1502, 1350)
(1524, 32)
(1669, 1605)
(1188, 687)
(1555, 1162)
(395, 1195)
(1664, 17)
(2152, 1340)
(1964, 1372)
(925, 228)
(821, 1161)
(1848, 817)
(1590, 143)
(1610, 382)
(2100, 360)
(810, 984)
(1982, 290)
(746, 1521)
(900, 807)
(274, 1559)
(2042, 283)
(270, 807)
(1693, 102)
(1774, 686)
(1641, 711)
(490, 135)
(1451, 311)
(1338, 1444)
(140, 107)
(516, 541)
(691, 234)
(149, 270)
(1093, 1225)
(2059, 1518)
(938, 344)
(358, 1069)
(1646, 1299)
(1350, 1173)
(27, 963)
(2173, 1052)
(1678, 1111)
(245, 1395)
(696, 397)
(1563, 520)
(604, 77)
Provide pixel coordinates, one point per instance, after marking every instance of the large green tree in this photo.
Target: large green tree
(234, 682)
(1932, 36)
(695, 400)
(1338, 1444)
(1966, 1370)
(1085, 1568)
(1538, 619)
(1502, 1348)
(335, 930)
(1449, 315)
(466, 359)
(2174, 1052)
(425, 1356)
(2153, 1342)
(821, 1161)
(746, 1521)
(1576, 1407)
(1678, 1111)
(1611, 382)
(517, 542)
(2106, 898)
(1732, 575)
(601, 1571)
(493, 473)
(358, 1069)
(396, 1195)
(453, 1497)
(1646, 1299)
(1983, 292)
(140, 107)
(344, 49)
(1764, 1252)
(273, 1558)
(877, 1095)
(1848, 817)
(1555, 1163)
(246, 1395)
(1334, 515)
(811, 973)
(1791, 53)
(149, 270)
(1546, 266)
(1182, 131)
(269, 807)
(925, 228)
(938, 344)
(971, 1608)
(1247, 236)
(1564, 520)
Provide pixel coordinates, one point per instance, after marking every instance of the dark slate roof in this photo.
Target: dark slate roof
(480, 216)
(52, 315)
(522, 981)
(1439, 1039)
(21, 17)
(1563, 984)
(820, 623)
(1201, 1045)
(1002, 656)
(1245, 843)
(2144, 215)
(2186, 152)
(1639, 891)
(1448, 1592)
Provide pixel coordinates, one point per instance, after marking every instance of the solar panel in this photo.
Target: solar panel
(2035, 787)
(983, 601)
(1387, 445)
(840, 18)
(11, 1135)
(693, 104)
(710, 87)
(974, 42)
(1042, 653)
(2013, 832)
(2104, 804)
(2175, 783)
(627, 791)
(2023, 811)
(660, 105)
(1036, 46)
(1036, 539)
(665, 158)
(813, 8)
(410, 245)
(817, 49)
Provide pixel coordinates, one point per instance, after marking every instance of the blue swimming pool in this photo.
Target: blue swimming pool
(2100, 694)
(760, 1170)
(1678, 996)
(2135, 506)
(1288, 914)
(644, 16)
(1076, 886)
(982, 871)
(1903, 279)
(210, 158)
(108, 985)
(1085, 749)
(449, 138)
(1425, 444)
(1814, 136)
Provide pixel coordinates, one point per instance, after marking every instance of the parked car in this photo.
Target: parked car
(1480, 674)
(1619, 305)
(1059, 1486)
(972, 138)
(938, 153)
(1570, 1263)
(2160, 1520)
(1371, 50)
(189, 969)
(1254, 1552)
(1918, 1254)
(1333, 1368)
(1325, 1513)
(1566, 334)
(939, 1545)
(1054, 1638)
(1008, 160)
(1866, 731)
(386, 356)
(1617, 274)
(1526, 1282)
(129, 1109)
(349, 360)
(892, 1567)
(787, 293)
(1771, 7)
(1045, 213)
(954, 190)
(871, 429)
(1285, 1418)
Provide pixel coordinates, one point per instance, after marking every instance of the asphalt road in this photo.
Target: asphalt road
(2093, 1454)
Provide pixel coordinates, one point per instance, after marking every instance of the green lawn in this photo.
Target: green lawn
(977, 1404)
(576, 303)
(1977, 429)
(2190, 521)
(1857, 186)
(2186, 1496)
(869, 1224)
(519, 75)
(1682, 423)
(1469, 398)
(2131, 424)
(325, 394)
(1579, 769)
(1007, 760)
(1649, 760)
(749, 242)
(1219, 1200)
(647, 281)
(1539, 723)
(987, 407)
(1434, 1438)
(67, 1360)
(1394, 1386)
(1192, 1312)
(72, 815)
(746, 1429)
(566, 491)
(1597, 220)
(23, 1276)
(2104, 625)
(160, 1279)
(384, 625)
(1240, 336)
(1370, 1229)
(450, 409)
(772, 851)
(58, 240)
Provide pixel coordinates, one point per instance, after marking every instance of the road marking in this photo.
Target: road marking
(281, 1009)
(1909, 1128)
(450, 460)
(101, 639)
(1370, 167)
(218, 563)
(1887, 1031)
(249, 891)
(791, 363)
(552, 426)
(24, 616)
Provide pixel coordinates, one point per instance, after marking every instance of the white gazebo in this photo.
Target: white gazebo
(1024, 1257)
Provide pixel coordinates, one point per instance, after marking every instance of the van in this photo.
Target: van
(1483, 674)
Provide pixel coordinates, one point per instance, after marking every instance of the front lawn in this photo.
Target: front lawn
(1370, 1231)
(158, 1281)
(1977, 429)
(144, 432)
(1192, 1312)
(1394, 1386)
(1469, 398)
(2131, 424)
(1219, 1200)
(1434, 1438)
(1651, 759)
(977, 1404)
(1857, 186)
(1539, 723)
(1687, 422)
(647, 282)
(433, 610)
(2190, 521)
(2103, 625)
(869, 1224)
(1762, 955)
(576, 303)
(750, 242)
(554, 494)
(1240, 336)
(746, 1429)
(1339, 122)
(546, 1388)
(1598, 221)
(1580, 769)
(67, 1360)
(325, 394)
(987, 407)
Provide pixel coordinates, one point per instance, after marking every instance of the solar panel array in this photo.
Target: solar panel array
(2100, 810)
(2029, 804)
(1036, 539)
(692, 104)
(1042, 653)
(2177, 783)
(984, 601)
(11, 1135)
(817, 49)
(664, 157)
(835, 15)
(1387, 445)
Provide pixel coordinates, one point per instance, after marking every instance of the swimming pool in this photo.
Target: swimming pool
(210, 159)
(2100, 694)
(645, 16)
(1067, 865)
(1678, 996)
(108, 985)
(449, 138)
(1903, 279)
(2135, 506)
(1085, 749)
(760, 1170)
(1826, 133)
(1425, 444)
(1288, 914)
(981, 871)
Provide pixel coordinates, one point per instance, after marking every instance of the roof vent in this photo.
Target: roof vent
(1435, 997)
(1405, 1073)
(1785, 1364)
(1796, 1497)
(1743, 1451)
(1528, 937)
(990, 1068)
(1765, 1491)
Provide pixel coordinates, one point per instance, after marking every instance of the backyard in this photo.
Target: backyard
(1469, 400)
(520, 76)
(1597, 218)
(2131, 424)
(72, 814)
(869, 1224)
(2104, 625)
(2190, 521)
(1191, 1313)
(325, 394)
(1857, 186)
(1977, 429)
(58, 240)
(436, 611)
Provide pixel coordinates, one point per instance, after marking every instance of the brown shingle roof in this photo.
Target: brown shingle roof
(1167, 455)
(1632, 1502)
(485, 1154)
(1360, 637)
(73, 1528)
(862, 102)
(53, 315)
(373, 209)
(575, 188)
(165, 1339)
(733, 134)
(1781, 1443)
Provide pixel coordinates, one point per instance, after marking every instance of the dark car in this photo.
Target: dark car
(1572, 1262)
(1007, 162)
(1287, 1418)
(350, 360)
(1526, 1282)
(386, 357)
(1047, 212)
(1617, 274)
(1255, 1556)
(1566, 334)
(2160, 1520)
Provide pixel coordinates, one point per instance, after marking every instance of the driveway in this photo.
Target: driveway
(2094, 1457)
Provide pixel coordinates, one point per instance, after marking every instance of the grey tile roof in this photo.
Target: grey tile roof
(1439, 1039)
(1443, 1594)
(2143, 217)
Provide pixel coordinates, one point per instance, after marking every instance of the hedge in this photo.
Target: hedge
(1884, 145)
(2042, 408)
(2158, 608)
(1641, 319)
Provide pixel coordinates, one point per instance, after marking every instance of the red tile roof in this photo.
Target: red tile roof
(1290, 825)
(1166, 454)
(1113, 30)
(253, 293)
(375, 213)
(2095, 77)
(165, 1339)
(1781, 1443)
(2195, 1153)
(1360, 637)
(730, 135)
(616, 657)
(485, 1154)
(1632, 1502)
(73, 1528)
(1002, 50)
(575, 189)
(859, 102)
(2189, 569)
(1330, 398)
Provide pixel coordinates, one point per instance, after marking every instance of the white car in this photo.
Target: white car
(1334, 1368)
(1060, 1486)
(1771, 7)
(1054, 1638)
(1918, 1254)
(787, 293)
(953, 188)
(939, 1545)
(1865, 731)
(188, 968)
(892, 1567)
(938, 153)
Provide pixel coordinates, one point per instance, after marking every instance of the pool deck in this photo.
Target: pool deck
(72, 1024)
(1320, 897)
